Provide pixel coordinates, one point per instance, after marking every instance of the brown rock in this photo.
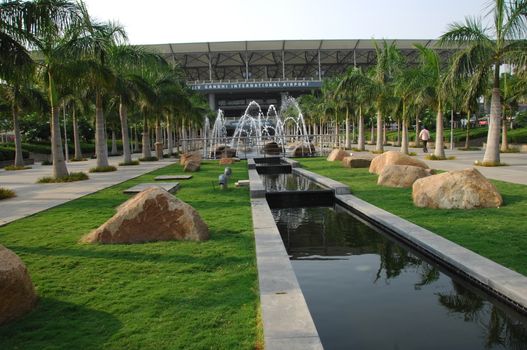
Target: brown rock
(394, 158)
(190, 156)
(356, 162)
(226, 161)
(223, 151)
(460, 189)
(272, 148)
(151, 215)
(17, 295)
(301, 149)
(192, 166)
(401, 175)
(337, 155)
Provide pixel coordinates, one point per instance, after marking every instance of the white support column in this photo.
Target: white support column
(212, 101)
(319, 67)
(283, 64)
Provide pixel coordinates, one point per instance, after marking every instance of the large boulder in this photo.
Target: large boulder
(301, 149)
(17, 294)
(460, 189)
(272, 148)
(192, 166)
(401, 175)
(337, 155)
(356, 162)
(226, 161)
(190, 156)
(223, 151)
(394, 158)
(151, 215)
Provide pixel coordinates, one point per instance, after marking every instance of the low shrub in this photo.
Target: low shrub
(510, 150)
(8, 153)
(133, 162)
(78, 159)
(412, 153)
(469, 149)
(46, 162)
(355, 149)
(6, 193)
(13, 167)
(489, 164)
(148, 159)
(103, 169)
(434, 157)
(377, 152)
(70, 178)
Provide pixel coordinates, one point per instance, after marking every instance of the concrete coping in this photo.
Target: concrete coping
(337, 187)
(257, 189)
(287, 321)
(293, 163)
(251, 163)
(493, 276)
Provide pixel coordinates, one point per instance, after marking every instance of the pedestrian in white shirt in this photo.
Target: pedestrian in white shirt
(424, 135)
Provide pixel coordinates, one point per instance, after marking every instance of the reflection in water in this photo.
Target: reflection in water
(287, 182)
(366, 291)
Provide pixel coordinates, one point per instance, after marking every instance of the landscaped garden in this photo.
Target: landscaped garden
(159, 295)
(497, 233)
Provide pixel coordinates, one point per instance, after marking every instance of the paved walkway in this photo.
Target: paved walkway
(515, 172)
(32, 198)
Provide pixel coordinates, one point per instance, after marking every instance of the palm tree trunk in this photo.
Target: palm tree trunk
(76, 138)
(372, 134)
(360, 141)
(398, 143)
(347, 143)
(57, 155)
(504, 141)
(468, 128)
(123, 115)
(19, 158)
(439, 151)
(146, 139)
(114, 143)
(101, 146)
(404, 137)
(380, 146)
(417, 130)
(170, 143)
(492, 151)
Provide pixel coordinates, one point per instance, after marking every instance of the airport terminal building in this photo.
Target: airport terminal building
(232, 74)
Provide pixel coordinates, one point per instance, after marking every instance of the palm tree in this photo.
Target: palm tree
(360, 89)
(433, 80)
(40, 25)
(387, 67)
(484, 50)
(92, 43)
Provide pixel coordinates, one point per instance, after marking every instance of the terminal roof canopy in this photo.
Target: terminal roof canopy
(279, 59)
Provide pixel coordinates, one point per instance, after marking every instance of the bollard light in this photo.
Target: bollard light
(227, 172)
(223, 181)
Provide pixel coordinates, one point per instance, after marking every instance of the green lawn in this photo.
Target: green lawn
(498, 234)
(164, 295)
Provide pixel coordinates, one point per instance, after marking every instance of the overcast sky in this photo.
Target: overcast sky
(172, 21)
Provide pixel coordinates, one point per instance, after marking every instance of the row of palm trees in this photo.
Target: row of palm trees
(54, 56)
(393, 87)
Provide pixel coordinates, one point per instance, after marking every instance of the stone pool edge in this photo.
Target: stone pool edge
(500, 280)
(287, 322)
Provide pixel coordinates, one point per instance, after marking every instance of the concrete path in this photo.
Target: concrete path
(32, 197)
(515, 172)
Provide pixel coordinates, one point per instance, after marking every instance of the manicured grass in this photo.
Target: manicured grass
(161, 295)
(498, 234)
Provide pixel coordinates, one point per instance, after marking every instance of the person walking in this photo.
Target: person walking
(424, 135)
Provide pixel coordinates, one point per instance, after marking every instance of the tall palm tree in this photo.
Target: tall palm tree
(387, 67)
(39, 25)
(484, 50)
(433, 78)
(359, 87)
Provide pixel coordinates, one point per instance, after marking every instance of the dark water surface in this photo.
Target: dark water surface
(366, 291)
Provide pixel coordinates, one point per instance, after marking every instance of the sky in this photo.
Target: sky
(183, 21)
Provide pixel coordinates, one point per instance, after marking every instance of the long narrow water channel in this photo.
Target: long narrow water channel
(366, 290)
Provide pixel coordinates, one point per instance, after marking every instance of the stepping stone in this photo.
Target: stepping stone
(168, 186)
(172, 177)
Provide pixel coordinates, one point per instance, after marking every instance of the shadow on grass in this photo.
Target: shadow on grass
(77, 327)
